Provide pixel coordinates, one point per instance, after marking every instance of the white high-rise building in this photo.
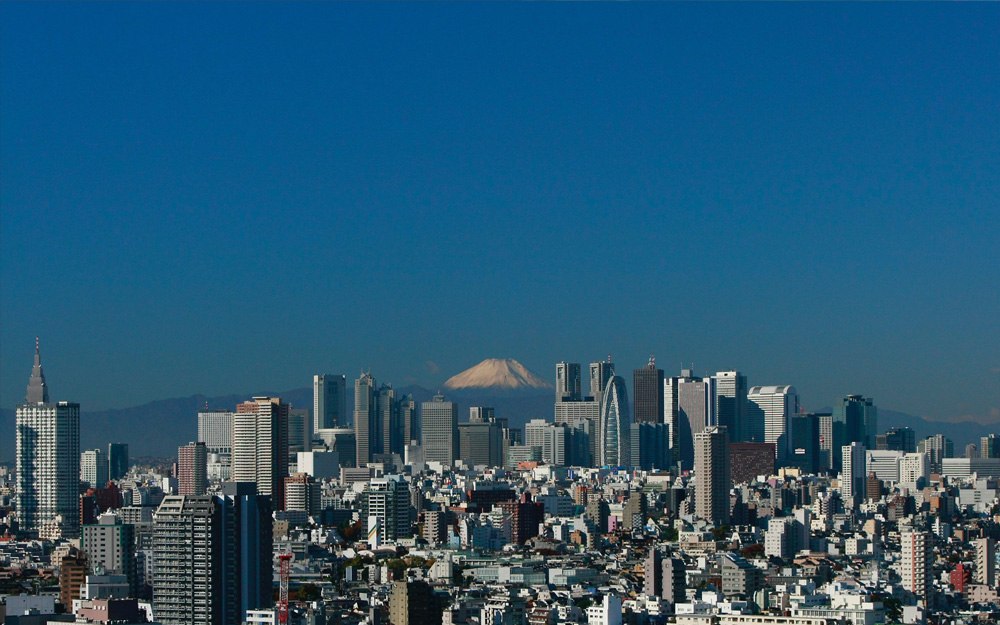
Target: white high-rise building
(608, 612)
(94, 468)
(260, 446)
(329, 401)
(916, 558)
(47, 461)
(884, 464)
(914, 470)
(215, 429)
(712, 475)
(774, 406)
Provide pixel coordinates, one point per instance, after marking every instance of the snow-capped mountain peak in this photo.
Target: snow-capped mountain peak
(500, 373)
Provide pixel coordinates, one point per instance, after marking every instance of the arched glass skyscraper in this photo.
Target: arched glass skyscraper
(616, 448)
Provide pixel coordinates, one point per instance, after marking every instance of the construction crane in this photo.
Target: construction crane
(284, 570)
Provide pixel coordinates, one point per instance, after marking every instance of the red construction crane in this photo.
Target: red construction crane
(285, 565)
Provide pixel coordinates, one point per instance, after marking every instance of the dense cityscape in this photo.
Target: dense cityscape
(689, 500)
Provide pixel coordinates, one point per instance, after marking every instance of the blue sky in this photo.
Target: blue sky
(216, 198)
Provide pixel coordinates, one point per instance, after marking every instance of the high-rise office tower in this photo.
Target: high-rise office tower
(689, 406)
(366, 425)
(900, 439)
(213, 556)
(651, 446)
(111, 544)
(937, 447)
(439, 425)
(852, 475)
(47, 461)
(388, 500)
(855, 419)
(989, 446)
(648, 388)
(600, 372)
(805, 442)
(731, 403)
(94, 468)
(916, 562)
(568, 381)
(481, 439)
(616, 441)
(329, 401)
(192, 469)
(409, 416)
(775, 406)
(215, 429)
(300, 431)
(117, 460)
(391, 424)
(585, 417)
(260, 446)
(712, 475)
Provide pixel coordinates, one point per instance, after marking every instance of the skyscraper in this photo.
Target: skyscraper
(213, 556)
(852, 476)
(900, 439)
(568, 381)
(805, 442)
(481, 439)
(329, 401)
(600, 372)
(117, 460)
(855, 419)
(366, 425)
(94, 468)
(215, 429)
(409, 416)
(111, 545)
(731, 392)
(439, 423)
(774, 406)
(689, 406)
(648, 388)
(192, 469)
(300, 431)
(937, 447)
(616, 442)
(48, 461)
(260, 446)
(390, 424)
(712, 475)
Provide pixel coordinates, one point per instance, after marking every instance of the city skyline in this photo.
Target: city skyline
(803, 204)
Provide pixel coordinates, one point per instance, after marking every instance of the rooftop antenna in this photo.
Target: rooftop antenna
(36, 344)
(652, 360)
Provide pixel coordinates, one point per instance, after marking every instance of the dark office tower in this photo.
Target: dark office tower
(731, 403)
(651, 446)
(648, 388)
(391, 423)
(568, 381)
(855, 420)
(260, 446)
(47, 460)
(117, 460)
(192, 469)
(481, 439)
(408, 415)
(749, 460)
(600, 373)
(366, 425)
(439, 423)
(213, 556)
(805, 443)
(900, 439)
(329, 401)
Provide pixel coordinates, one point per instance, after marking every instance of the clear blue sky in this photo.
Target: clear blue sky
(216, 198)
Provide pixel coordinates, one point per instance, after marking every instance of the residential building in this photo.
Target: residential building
(387, 499)
(260, 446)
(192, 469)
(712, 475)
(916, 560)
(110, 545)
(94, 468)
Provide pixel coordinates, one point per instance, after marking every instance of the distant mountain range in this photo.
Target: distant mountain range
(497, 374)
(159, 427)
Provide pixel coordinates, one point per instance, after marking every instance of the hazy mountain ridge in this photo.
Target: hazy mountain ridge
(157, 428)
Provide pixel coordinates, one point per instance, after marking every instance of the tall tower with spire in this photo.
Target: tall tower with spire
(48, 461)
